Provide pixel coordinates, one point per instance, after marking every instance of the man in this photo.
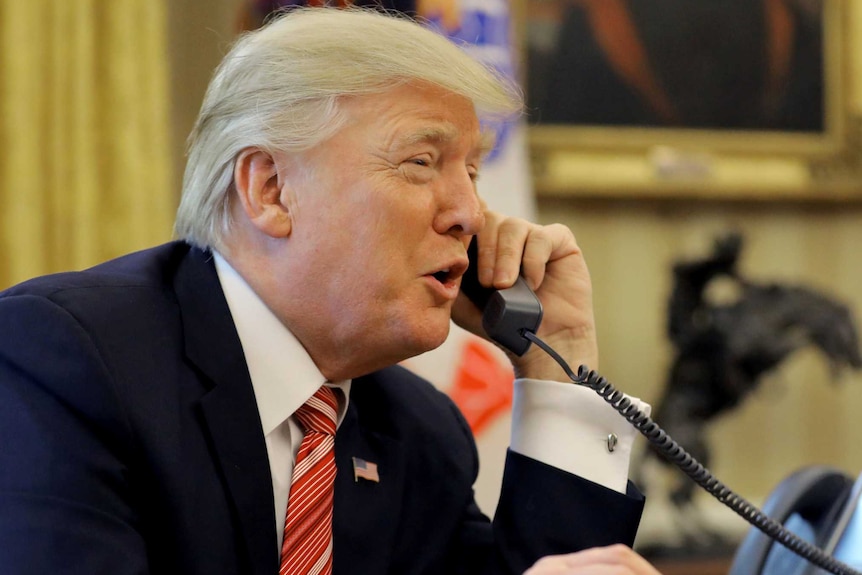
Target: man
(159, 413)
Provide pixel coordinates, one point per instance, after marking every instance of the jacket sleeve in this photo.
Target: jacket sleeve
(545, 511)
(65, 490)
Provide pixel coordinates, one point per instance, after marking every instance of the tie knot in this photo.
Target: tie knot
(319, 412)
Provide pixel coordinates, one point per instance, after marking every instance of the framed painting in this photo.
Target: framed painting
(730, 99)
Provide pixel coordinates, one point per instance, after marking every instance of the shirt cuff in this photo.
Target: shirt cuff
(568, 426)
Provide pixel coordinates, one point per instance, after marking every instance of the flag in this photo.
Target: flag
(365, 470)
(482, 386)
(480, 382)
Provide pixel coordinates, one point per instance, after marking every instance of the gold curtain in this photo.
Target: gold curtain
(85, 166)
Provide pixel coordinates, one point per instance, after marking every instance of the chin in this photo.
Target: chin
(425, 339)
(411, 332)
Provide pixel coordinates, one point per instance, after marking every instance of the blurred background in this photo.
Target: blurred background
(97, 99)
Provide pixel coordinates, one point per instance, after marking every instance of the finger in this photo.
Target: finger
(563, 569)
(537, 249)
(549, 565)
(511, 237)
(613, 555)
(486, 246)
(544, 245)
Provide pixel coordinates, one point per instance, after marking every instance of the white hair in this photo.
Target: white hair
(278, 89)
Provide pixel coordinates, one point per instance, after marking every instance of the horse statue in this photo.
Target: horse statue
(723, 350)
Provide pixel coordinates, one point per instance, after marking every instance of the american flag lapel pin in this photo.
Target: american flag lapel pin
(364, 470)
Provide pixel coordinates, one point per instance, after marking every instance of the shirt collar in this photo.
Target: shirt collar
(282, 373)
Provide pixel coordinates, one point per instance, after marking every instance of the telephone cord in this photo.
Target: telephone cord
(691, 467)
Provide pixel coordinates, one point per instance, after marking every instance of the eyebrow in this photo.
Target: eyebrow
(432, 134)
(443, 134)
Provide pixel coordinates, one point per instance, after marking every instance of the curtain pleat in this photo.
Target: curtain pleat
(85, 167)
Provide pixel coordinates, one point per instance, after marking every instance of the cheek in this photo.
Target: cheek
(374, 236)
(390, 235)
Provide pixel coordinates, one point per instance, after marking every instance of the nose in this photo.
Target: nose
(460, 211)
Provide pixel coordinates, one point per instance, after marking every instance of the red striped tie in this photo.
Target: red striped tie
(307, 547)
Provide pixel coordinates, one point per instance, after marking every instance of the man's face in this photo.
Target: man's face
(381, 216)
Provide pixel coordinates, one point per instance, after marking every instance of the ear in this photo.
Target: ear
(258, 188)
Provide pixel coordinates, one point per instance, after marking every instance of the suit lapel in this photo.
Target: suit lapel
(366, 512)
(229, 408)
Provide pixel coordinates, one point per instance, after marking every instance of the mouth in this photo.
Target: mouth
(448, 277)
(443, 276)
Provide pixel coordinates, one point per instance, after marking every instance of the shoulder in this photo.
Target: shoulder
(399, 402)
(413, 397)
(87, 336)
(119, 290)
(139, 269)
(83, 318)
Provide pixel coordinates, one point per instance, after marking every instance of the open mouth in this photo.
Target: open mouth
(448, 276)
(443, 276)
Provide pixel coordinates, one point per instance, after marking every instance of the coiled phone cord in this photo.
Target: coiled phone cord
(691, 467)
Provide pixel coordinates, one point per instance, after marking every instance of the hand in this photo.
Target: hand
(613, 560)
(553, 265)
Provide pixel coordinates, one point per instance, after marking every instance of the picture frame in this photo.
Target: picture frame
(589, 158)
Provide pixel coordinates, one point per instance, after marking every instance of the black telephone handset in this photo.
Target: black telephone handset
(506, 314)
(512, 316)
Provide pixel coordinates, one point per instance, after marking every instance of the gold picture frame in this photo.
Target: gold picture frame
(621, 161)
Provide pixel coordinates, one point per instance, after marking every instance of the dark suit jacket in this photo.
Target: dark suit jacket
(130, 443)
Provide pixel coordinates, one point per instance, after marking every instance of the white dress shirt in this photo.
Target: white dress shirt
(559, 424)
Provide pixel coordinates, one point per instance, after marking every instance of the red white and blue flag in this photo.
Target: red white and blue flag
(475, 374)
(366, 470)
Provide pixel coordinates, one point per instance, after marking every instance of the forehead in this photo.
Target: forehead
(415, 114)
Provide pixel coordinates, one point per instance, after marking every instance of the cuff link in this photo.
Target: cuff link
(612, 442)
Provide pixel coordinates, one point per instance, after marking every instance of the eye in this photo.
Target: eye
(424, 160)
(418, 169)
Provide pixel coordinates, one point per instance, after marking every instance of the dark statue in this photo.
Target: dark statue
(723, 349)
